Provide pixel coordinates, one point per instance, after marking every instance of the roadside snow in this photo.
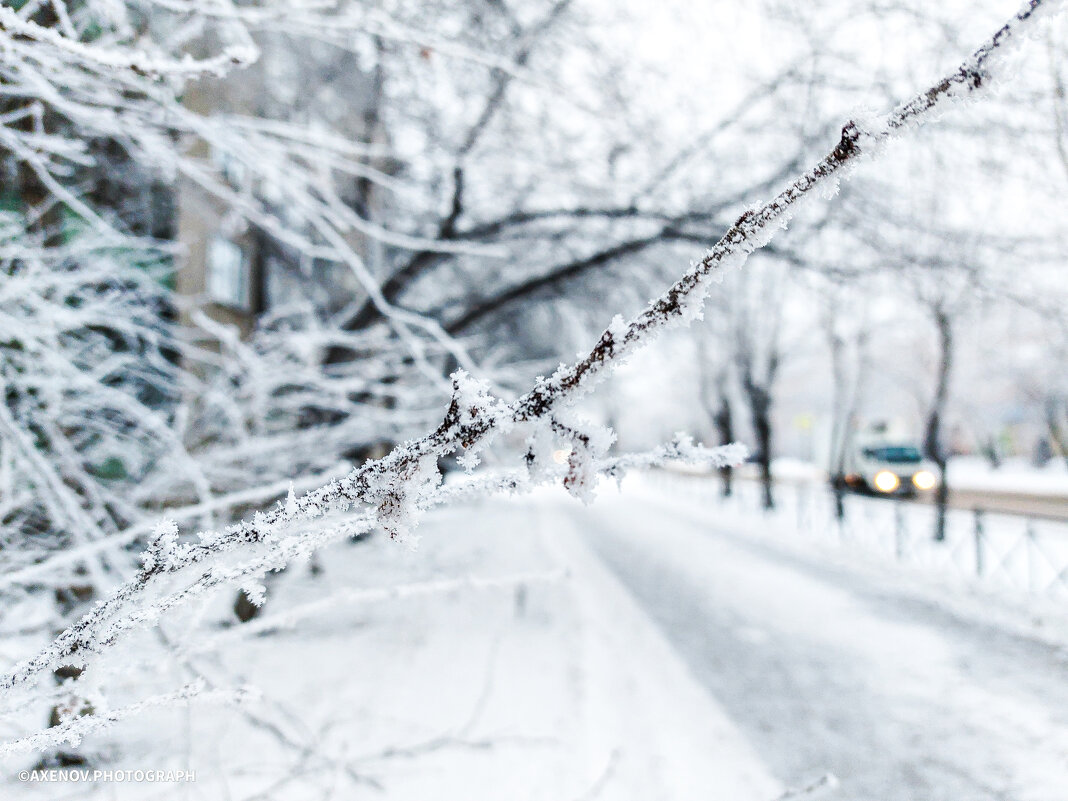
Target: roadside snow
(829, 663)
(1017, 576)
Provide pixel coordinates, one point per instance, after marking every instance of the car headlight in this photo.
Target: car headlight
(885, 481)
(924, 480)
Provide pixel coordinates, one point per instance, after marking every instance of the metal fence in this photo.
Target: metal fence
(995, 550)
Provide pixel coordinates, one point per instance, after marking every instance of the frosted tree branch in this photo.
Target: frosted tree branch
(72, 731)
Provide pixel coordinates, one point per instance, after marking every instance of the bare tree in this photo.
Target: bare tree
(757, 355)
(848, 338)
(934, 444)
(714, 385)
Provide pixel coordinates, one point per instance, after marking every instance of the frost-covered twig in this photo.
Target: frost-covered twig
(72, 731)
(364, 595)
(127, 609)
(221, 503)
(826, 782)
(140, 63)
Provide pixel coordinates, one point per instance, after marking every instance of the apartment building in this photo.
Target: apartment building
(232, 269)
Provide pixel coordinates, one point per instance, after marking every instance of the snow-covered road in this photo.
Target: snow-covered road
(824, 669)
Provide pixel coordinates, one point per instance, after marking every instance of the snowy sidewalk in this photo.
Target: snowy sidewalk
(511, 666)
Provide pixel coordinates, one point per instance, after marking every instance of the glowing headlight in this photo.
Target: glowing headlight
(885, 481)
(924, 480)
(561, 456)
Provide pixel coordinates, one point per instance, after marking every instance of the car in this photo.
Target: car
(889, 468)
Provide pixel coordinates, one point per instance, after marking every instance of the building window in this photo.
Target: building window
(228, 274)
(281, 285)
(230, 168)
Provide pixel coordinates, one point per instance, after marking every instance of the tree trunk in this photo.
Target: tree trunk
(758, 396)
(1053, 423)
(839, 501)
(933, 436)
(941, 503)
(763, 434)
(724, 421)
(760, 410)
(845, 403)
(836, 462)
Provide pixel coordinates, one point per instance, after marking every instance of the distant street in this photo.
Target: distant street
(1046, 506)
(1054, 507)
(823, 672)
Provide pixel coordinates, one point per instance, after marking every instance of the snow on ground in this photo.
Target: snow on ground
(786, 469)
(465, 683)
(659, 644)
(1014, 475)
